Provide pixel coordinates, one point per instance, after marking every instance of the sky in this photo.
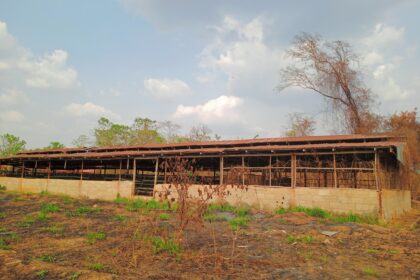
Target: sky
(65, 64)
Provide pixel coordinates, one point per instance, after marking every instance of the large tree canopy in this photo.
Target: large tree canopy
(11, 145)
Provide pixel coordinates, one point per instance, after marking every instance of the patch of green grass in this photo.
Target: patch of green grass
(238, 222)
(57, 230)
(42, 273)
(161, 245)
(3, 188)
(120, 218)
(370, 271)
(67, 199)
(134, 205)
(4, 245)
(47, 258)
(225, 207)
(92, 237)
(121, 200)
(83, 210)
(392, 251)
(49, 208)
(28, 221)
(97, 266)
(372, 251)
(308, 239)
(291, 239)
(210, 217)
(164, 216)
(2, 215)
(74, 276)
(281, 211)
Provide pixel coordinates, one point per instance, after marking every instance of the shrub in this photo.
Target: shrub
(49, 208)
(161, 245)
(92, 237)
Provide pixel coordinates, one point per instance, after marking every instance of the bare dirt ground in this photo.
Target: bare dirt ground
(90, 239)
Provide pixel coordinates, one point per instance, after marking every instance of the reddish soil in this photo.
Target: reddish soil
(288, 246)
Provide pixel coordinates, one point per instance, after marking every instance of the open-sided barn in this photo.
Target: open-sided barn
(342, 173)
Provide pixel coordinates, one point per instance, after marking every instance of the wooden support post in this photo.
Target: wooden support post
(134, 177)
(22, 175)
(243, 170)
(65, 164)
(156, 172)
(293, 170)
(81, 178)
(119, 172)
(335, 171)
(378, 184)
(221, 170)
(48, 174)
(35, 167)
(81, 171)
(269, 170)
(166, 169)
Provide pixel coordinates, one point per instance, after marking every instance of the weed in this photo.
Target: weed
(281, 211)
(42, 217)
(220, 207)
(28, 221)
(2, 188)
(307, 239)
(210, 217)
(161, 245)
(291, 239)
(134, 205)
(49, 208)
(92, 237)
(54, 229)
(372, 251)
(67, 199)
(241, 211)
(4, 245)
(97, 266)
(42, 273)
(238, 222)
(83, 210)
(370, 271)
(392, 251)
(47, 258)
(120, 218)
(164, 216)
(74, 276)
(121, 200)
(44, 193)
(2, 215)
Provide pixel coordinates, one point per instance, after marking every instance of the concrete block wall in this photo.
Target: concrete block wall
(107, 190)
(395, 202)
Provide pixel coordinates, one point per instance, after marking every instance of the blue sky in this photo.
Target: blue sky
(64, 64)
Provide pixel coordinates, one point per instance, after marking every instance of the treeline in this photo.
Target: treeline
(107, 133)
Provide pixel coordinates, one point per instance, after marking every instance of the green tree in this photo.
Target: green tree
(54, 145)
(111, 134)
(81, 142)
(11, 145)
(144, 131)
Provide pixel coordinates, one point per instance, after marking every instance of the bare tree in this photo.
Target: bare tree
(300, 125)
(330, 69)
(170, 131)
(82, 141)
(200, 132)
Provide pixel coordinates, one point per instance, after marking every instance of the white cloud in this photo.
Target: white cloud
(224, 108)
(166, 89)
(89, 109)
(384, 35)
(110, 92)
(19, 66)
(12, 97)
(11, 116)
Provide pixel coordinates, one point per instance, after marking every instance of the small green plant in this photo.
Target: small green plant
(392, 251)
(83, 210)
(2, 188)
(370, 271)
(74, 276)
(164, 216)
(121, 200)
(161, 245)
(97, 266)
(42, 273)
(220, 207)
(28, 221)
(92, 237)
(281, 211)
(4, 245)
(210, 217)
(307, 239)
(241, 211)
(120, 218)
(2, 215)
(67, 199)
(57, 230)
(49, 208)
(291, 239)
(42, 217)
(372, 251)
(47, 258)
(238, 222)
